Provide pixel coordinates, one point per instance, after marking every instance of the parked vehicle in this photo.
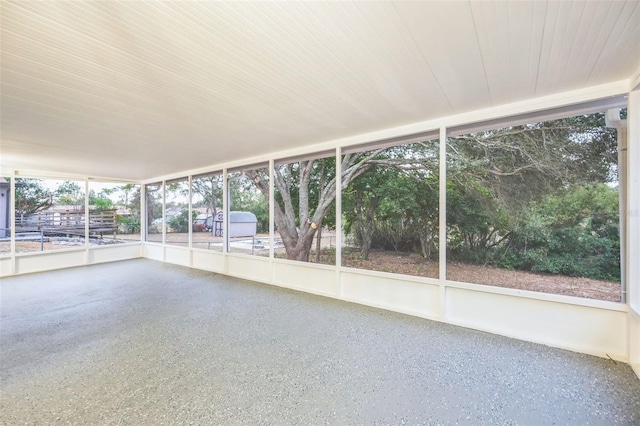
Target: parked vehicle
(202, 223)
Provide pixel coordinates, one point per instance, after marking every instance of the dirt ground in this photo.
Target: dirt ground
(413, 264)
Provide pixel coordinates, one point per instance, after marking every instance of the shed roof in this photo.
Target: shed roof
(242, 217)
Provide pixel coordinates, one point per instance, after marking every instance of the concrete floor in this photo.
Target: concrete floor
(141, 342)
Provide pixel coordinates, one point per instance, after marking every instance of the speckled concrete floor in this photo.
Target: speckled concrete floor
(141, 342)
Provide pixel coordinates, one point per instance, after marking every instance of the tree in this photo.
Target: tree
(499, 179)
(297, 224)
(70, 193)
(101, 201)
(210, 189)
(495, 173)
(360, 203)
(31, 196)
(303, 203)
(153, 202)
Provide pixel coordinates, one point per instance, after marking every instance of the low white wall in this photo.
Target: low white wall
(208, 260)
(46, 261)
(312, 278)
(391, 292)
(5, 266)
(26, 263)
(114, 253)
(177, 255)
(598, 331)
(582, 325)
(634, 340)
(153, 251)
(253, 268)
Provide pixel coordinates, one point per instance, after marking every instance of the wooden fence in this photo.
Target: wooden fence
(68, 221)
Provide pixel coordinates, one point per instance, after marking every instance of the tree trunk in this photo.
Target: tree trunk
(366, 230)
(318, 243)
(303, 246)
(425, 243)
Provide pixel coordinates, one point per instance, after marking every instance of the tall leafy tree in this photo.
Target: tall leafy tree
(32, 196)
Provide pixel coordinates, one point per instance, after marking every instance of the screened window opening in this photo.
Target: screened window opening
(114, 213)
(5, 216)
(390, 209)
(176, 211)
(49, 214)
(207, 222)
(535, 207)
(305, 210)
(248, 210)
(154, 199)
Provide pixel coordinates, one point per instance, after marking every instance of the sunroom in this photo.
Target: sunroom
(469, 163)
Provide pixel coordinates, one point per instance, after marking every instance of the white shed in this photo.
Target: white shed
(241, 224)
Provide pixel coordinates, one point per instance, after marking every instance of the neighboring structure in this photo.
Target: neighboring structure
(241, 224)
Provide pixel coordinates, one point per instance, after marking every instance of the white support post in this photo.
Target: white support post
(632, 192)
(271, 211)
(143, 213)
(632, 231)
(338, 214)
(612, 120)
(12, 213)
(164, 216)
(225, 210)
(86, 221)
(190, 218)
(442, 223)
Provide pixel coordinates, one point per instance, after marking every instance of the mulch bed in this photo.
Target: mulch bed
(413, 264)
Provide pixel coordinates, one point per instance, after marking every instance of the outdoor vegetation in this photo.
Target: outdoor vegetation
(529, 203)
(177, 212)
(154, 199)
(538, 197)
(50, 214)
(246, 195)
(207, 202)
(541, 197)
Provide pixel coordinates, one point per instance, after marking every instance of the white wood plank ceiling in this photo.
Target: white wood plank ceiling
(135, 90)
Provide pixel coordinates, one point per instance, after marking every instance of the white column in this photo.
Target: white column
(164, 217)
(442, 220)
(632, 271)
(12, 225)
(143, 213)
(339, 219)
(86, 221)
(225, 212)
(190, 220)
(271, 211)
(632, 234)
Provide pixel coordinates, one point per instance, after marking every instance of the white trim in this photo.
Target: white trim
(86, 220)
(12, 214)
(164, 214)
(442, 221)
(190, 214)
(339, 237)
(634, 81)
(271, 200)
